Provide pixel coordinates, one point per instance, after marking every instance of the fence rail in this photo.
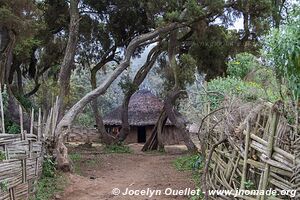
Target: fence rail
(21, 157)
(259, 154)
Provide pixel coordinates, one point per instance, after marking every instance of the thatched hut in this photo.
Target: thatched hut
(143, 112)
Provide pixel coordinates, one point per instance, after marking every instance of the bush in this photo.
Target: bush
(241, 65)
(12, 127)
(231, 86)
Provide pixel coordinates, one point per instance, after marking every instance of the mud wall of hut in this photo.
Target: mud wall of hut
(82, 134)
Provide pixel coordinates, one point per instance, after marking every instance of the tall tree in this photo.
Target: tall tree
(68, 60)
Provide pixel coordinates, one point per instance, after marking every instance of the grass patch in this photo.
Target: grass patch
(192, 163)
(117, 148)
(76, 158)
(188, 162)
(51, 182)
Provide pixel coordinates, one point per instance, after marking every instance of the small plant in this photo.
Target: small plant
(2, 156)
(117, 148)
(4, 186)
(51, 182)
(75, 157)
(48, 167)
(249, 184)
(188, 162)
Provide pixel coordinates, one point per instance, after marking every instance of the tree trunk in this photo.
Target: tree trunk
(176, 120)
(68, 60)
(69, 117)
(64, 78)
(138, 79)
(6, 54)
(155, 141)
(104, 136)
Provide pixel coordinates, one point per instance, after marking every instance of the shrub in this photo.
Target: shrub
(242, 64)
(231, 86)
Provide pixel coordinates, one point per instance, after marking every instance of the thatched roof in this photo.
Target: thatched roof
(144, 109)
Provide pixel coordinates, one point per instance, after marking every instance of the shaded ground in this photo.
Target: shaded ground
(100, 173)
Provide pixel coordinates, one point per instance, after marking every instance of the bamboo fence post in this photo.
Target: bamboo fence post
(55, 116)
(2, 111)
(39, 125)
(272, 132)
(32, 121)
(23, 136)
(247, 144)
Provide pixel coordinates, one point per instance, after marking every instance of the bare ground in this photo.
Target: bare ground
(100, 173)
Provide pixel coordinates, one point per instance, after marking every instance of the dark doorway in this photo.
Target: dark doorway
(141, 131)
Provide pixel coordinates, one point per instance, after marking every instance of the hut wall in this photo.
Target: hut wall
(132, 137)
(171, 135)
(81, 134)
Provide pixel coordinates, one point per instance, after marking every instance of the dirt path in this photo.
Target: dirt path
(101, 173)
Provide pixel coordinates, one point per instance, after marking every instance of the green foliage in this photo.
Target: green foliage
(51, 182)
(172, 16)
(75, 157)
(8, 18)
(117, 148)
(243, 64)
(186, 70)
(12, 127)
(188, 162)
(2, 156)
(48, 167)
(127, 85)
(4, 186)
(24, 47)
(247, 91)
(192, 162)
(194, 10)
(283, 51)
(249, 185)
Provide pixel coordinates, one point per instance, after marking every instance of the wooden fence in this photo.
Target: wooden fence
(21, 157)
(251, 148)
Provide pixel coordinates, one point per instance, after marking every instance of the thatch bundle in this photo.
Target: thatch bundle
(250, 147)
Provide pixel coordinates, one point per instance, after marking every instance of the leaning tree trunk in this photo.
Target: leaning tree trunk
(69, 117)
(155, 141)
(178, 121)
(138, 79)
